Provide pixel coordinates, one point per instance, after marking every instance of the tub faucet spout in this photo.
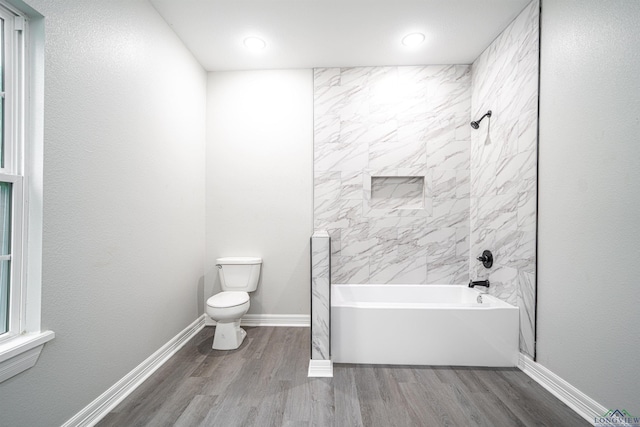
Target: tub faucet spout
(479, 283)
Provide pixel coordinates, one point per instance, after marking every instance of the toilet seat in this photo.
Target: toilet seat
(228, 299)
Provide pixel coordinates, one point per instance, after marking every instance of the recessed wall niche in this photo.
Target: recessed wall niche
(397, 192)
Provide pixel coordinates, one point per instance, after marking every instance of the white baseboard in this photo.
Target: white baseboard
(582, 404)
(320, 368)
(291, 320)
(101, 406)
(297, 320)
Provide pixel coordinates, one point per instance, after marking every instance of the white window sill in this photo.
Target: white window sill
(21, 353)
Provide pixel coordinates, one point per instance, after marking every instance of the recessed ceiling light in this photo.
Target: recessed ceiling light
(254, 43)
(413, 39)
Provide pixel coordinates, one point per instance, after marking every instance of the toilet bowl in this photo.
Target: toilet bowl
(238, 276)
(227, 308)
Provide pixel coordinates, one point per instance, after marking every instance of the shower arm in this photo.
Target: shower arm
(487, 114)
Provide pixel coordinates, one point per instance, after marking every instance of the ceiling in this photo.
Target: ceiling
(336, 33)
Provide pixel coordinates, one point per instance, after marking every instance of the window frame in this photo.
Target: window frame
(20, 347)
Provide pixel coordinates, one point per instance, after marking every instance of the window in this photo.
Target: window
(21, 77)
(10, 265)
(11, 175)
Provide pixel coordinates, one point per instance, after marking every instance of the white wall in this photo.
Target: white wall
(259, 181)
(124, 202)
(589, 203)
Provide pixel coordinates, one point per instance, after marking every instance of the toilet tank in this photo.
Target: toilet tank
(239, 273)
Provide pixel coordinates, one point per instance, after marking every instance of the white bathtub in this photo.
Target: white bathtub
(421, 325)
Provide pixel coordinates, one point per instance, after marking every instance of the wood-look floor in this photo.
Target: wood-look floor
(264, 383)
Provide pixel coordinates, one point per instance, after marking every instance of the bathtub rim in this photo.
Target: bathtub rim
(493, 301)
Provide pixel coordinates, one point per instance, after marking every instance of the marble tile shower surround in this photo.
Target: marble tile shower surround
(377, 126)
(406, 130)
(503, 166)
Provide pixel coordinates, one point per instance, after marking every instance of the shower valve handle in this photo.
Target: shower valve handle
(486, 259)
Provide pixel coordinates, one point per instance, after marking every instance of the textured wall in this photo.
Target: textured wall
(503, 166)
(123, 202)
(588, 290)
(406, 130)
(259, 181)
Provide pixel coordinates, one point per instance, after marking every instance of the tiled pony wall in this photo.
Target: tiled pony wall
(503, 166)
(405, 187)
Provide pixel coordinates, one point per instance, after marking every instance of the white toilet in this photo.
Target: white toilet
(238, 275)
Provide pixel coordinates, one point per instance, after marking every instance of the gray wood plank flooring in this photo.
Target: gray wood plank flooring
(264, 383)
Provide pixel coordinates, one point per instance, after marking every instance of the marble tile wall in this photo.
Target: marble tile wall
(407, 129)
(503, 166)
(320, 295)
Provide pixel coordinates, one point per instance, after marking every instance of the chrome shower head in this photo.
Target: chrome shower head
(476, 124)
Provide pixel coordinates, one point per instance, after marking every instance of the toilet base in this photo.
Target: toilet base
(228, 336)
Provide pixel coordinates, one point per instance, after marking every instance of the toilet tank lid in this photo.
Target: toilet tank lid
(239, 260)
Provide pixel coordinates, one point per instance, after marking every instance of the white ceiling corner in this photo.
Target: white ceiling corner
(336, 33)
